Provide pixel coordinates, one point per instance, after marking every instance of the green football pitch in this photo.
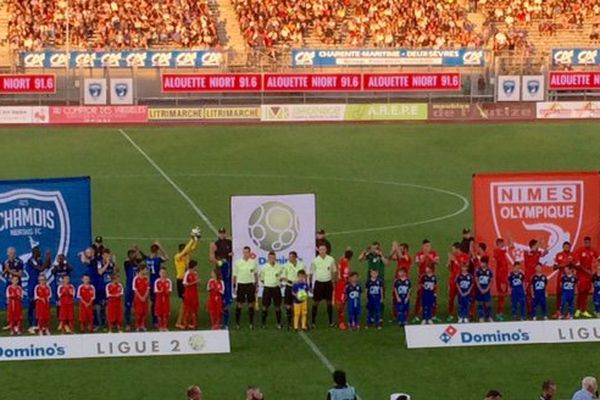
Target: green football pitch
(373, 182)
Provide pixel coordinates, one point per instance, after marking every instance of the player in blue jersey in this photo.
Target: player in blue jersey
(353, 292)
(596, 288)
(428, 294)
(402, 296)
(374, 289)
(568, 283)
(539, 283)
(516, 282)
(464, 284)
(106, 267)
(483, 282)
(154, 263)
(131, 267)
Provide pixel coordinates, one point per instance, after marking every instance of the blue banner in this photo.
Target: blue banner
(52, 214)
(122, 59)
(383, 57)
(575, 57)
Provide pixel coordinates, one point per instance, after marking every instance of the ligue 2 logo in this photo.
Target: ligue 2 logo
(273, 226)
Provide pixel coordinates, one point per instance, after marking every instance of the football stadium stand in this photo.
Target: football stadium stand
(514, 25)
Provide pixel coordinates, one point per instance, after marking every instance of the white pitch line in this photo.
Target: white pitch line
(187, 198)
(319, 354)
(462, 209)
(309, 342)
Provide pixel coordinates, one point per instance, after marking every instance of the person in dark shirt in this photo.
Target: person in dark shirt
(322, 241)
(467, 239)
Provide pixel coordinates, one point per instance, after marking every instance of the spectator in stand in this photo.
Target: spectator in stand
(493, 395)
(548, 390)
(589, 389)
(194, 393)
(111, 24)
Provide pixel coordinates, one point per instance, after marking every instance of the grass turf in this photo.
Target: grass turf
(359, 173)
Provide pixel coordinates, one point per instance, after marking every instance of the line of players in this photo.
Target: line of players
(101, 295)
(102, 300)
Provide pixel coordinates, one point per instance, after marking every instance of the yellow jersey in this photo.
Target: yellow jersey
(182, 258)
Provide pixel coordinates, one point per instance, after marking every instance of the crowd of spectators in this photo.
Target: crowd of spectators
(551, 14)
(411, 23)
(111, 24)
(266, 23)
(117, 24)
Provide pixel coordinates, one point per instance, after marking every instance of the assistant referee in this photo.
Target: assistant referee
(323, 268)
(245, 276)
(182, 259)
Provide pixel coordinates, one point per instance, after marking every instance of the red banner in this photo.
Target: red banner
(549, 207)
(312, 82)
(434, 81)
(189, 83)
(23, 84)
(574, 81)
(99, 114)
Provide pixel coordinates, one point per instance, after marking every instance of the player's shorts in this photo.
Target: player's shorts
(271, 295)
(180, 288)
(288, 297)
(487, 297)
(323, 291)
(246, 293)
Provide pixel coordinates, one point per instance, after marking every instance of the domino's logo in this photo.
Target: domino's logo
(448, 334)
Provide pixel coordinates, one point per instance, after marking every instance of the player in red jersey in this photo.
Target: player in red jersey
(585, 258)
(456, 259)
(343, 273)
(42, 296)
(216, 291)
(561, 261)
(14, 306)
(404, 261)
(162, 290)
(426, 257)
(66, 313)
(86, 293)
(501, 262)
(114, 303)
(190, 296)
(141, 291)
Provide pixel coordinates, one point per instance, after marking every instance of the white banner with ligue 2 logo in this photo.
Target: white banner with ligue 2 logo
(94, 92)
(103, 345)
(503, 333)
(279, 223)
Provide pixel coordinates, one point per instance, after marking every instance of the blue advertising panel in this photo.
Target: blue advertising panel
(575, 56)
(122, 59)
(52, 214)
(383, 57)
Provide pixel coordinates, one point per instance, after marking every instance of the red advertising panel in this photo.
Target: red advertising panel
(312, 82)
(436, 81)
(98, 114)
(574, 81)
(549, 207)
(23, 84)
(190, 83)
